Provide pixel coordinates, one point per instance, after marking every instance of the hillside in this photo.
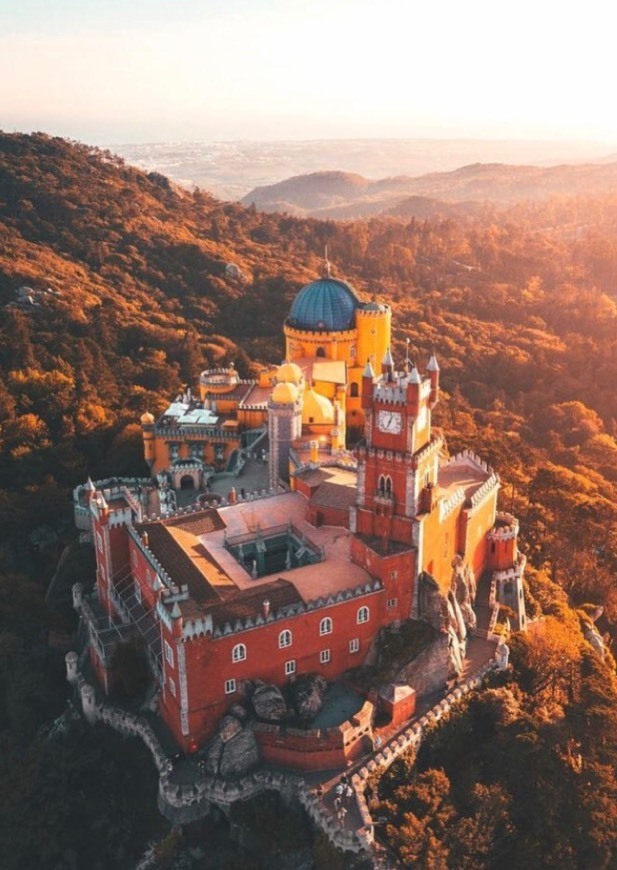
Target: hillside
(521, 308)
(340, 195)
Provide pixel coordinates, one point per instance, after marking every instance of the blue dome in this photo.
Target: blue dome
(325, 305)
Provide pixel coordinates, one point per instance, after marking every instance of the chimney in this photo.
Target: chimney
(266, 608)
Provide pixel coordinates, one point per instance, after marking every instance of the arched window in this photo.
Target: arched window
(388, 485)
(353, 391)
(321, 351)
(325, 626)
(363, 614)
(285, 639)
(382, 484)
(238, 653)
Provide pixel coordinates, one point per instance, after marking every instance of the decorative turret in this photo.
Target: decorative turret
(414, 382)
(147, 427)
(368, 380)
(387, 364)
(433, 370)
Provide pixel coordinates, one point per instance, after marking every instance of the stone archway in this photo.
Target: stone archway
(187, 482)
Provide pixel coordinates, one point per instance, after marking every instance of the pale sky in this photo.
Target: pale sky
(112, 71)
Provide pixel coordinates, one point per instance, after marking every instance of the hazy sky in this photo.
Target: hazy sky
(111, 71)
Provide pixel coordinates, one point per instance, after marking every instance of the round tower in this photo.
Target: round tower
(284, 427)
(147, 428)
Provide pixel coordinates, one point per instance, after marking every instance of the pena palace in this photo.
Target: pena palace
(289, 519)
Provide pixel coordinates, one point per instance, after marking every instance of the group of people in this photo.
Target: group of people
(343, 794)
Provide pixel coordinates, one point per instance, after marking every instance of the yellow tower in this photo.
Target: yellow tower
(330, 334)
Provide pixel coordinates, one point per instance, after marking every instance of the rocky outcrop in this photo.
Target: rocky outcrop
(240, 754)
(430, 670)
(269, 703)
(307, 696)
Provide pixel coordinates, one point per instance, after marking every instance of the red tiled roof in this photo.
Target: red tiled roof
(199, 523)
(188, 562)
(249, 602)
(334, 495)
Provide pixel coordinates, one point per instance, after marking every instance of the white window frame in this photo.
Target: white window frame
(325, 656)
(169, 653)
(290, 667)
(99, 542)
(363, 615)
(285, 639)
(172, 686)
(326, 626)
(354, 645)
(230, 686)
(137, 590)
(238, 653)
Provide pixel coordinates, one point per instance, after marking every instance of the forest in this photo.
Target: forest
(115, 292)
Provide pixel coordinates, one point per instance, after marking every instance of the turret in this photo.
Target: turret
(147, 428)
(433, 370)
(387, 365)
(368, 381)
(414, 382)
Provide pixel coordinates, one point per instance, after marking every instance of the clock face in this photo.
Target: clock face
(390, 421)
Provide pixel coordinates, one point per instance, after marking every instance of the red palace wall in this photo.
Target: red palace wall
(209, 661)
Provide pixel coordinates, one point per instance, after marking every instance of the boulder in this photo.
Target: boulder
(229, 726)
(239, 711)
(213, 758)
(307, 694)
(240, 754)
(269, 703)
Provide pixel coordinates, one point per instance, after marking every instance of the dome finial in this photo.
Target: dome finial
(327, 272)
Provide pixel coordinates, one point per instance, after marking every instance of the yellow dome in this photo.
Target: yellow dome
(316, 409)
(147, 419)
(285, 394)
(289, 373)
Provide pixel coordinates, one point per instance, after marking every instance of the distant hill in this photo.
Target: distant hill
(342, 195)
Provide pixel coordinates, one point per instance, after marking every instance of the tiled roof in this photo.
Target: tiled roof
(199, 523)
(249, 602)
(188, 562)
(334, 495)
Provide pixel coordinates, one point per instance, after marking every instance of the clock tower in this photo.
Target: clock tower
(399, 458)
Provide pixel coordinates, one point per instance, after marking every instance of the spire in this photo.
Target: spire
(327, 272)
(368, 371)
(433, 365)
(175, 611)
(89, 487)
(414, 376)
(387, 360)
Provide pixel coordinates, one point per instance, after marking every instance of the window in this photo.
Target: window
(392, 602)
(393, 575)
(137, 590)
(102, 571)
(325, 626)
(99, 541)
(172, 686)
(324, 656)
(353, 391)
(169, 654)
(290, 667)
(492, 546)
(363, 615)
(238, 653)
(230, 687)
(285, 639)
(354, 645)
(321, 351)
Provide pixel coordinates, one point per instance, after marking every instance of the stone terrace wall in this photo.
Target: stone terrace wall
(323, 749)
